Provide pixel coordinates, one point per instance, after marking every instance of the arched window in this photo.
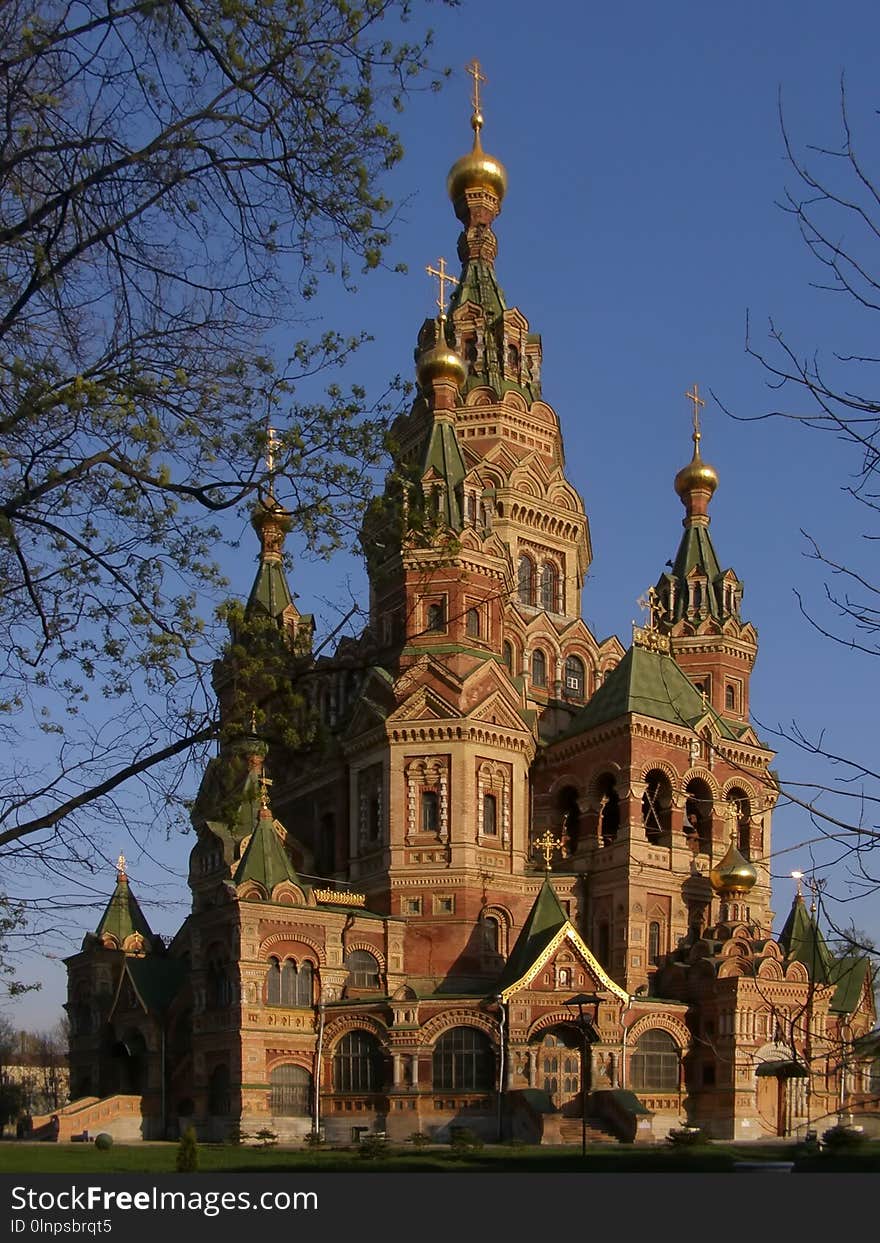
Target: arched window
(363, 969)
(472, 623)
(274, 983)
(464, 1061)
(490, 934)
(653, 942)
(657, 808)
(743, 808)
(729, 699)
(357, 1063)
(569, 807)
(526, 580)
(698, 815)
(470, 351)
(655, 1063)
(539, 668)
(549, 587)
(288, 982)
(507, 656)
(512, 359)
(304, 995)
(609, 808)
(490, 815)
(290, 1092)
(574, 677)
(430, 811)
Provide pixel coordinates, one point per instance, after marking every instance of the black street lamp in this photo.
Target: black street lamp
(586, 1029)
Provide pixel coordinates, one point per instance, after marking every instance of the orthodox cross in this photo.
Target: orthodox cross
(444, 278)
(547, 846)
(697, 401)
(475, 69)
(271, 446)
(651, 604)
(265, 782)
(120, 865)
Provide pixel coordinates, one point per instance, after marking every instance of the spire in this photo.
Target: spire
(802, 941)
(123, 924)
(696, 587)
(272, 523)
(265, 860)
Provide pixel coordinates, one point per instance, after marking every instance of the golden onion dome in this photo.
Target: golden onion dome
(477, 170)
(440, 363)
(268, 513)
(733, 872)
(697, 475)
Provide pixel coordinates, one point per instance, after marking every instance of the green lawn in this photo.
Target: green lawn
(160, 1159)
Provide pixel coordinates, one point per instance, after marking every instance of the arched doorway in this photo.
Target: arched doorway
(131, 1055)
(559, 1068)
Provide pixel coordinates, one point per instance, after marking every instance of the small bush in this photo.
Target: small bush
(462, 1140)
(372, 1146)
(419, 1139)
(103, 1141)
(685, 1136)
(187, 1152)
(266, 1138)
(842, 1138)
(314, 1139)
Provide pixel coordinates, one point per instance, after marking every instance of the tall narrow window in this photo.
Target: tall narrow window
(288, 982)
(507, 653)
(653, 942)
(539, 668)
(549, 587)
(730, 699)
(526, 580)
(472, 623)
(430, 811)
(273, 983)
(436, 617)
(490, 815)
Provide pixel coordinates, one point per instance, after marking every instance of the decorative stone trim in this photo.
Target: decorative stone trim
(276, 937)
(444, 1022)
(665, 1023)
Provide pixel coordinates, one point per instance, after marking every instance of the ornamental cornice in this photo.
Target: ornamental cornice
(696, 645)
(493, 736)
(664, 1022)
(339, 1025)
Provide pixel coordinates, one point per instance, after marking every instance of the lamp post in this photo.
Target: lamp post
(585, 1027)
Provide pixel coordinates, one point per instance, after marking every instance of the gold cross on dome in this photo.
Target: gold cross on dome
(475, 69)
(271, 447)
(444, 278)
(697, 401)
(547, 846)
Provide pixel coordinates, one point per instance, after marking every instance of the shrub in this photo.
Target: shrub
(372, 1146)
(103, 1141)
(462, 1139)
(236, 1135)
(314, 1139)
(266, 1138)
(419, 1139)
(685, 1136)
(842, 1138)
(187, 1152)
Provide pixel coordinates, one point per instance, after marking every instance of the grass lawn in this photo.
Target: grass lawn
(18, 1158)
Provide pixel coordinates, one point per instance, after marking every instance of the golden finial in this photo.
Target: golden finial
(444, 278)
(696, 482)
(265, 782)
(475, 69)
(121, 873)
(798, 877)
(648, 635)
(547, 846)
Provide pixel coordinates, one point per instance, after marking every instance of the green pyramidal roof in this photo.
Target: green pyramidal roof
(545, 920)
(804, 943)
(443, 455)
(696, 552)
(650, 684)
(265, 860)
(270, 591)
(479, 284)
(123, 917)
(157, 980)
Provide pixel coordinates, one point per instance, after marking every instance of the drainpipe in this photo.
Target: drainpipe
(316, 1113)
(502, 1067)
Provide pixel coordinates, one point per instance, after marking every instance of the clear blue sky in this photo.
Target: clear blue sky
(645, 162)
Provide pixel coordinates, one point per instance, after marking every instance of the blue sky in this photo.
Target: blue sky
(645, 164)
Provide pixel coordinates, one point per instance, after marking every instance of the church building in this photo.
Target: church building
(515, 877)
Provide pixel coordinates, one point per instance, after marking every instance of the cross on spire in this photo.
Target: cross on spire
(547, 846)
(696, 401)
(651, 604)
(271, 447)
(444, 278)
(475, 69)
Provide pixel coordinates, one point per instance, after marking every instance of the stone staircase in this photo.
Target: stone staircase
(598, 1132)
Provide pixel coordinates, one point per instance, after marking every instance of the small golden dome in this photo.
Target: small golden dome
(477, 170)
(440, 362)
(268, 513)
(697, 475)
(733, 872)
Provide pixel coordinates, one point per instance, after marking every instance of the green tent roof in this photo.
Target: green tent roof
(545, 920)
(270, 591)
(650, 684)
(156, 980)
(803, 942)
(123, 917)
(265, 860)
(443, 455)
